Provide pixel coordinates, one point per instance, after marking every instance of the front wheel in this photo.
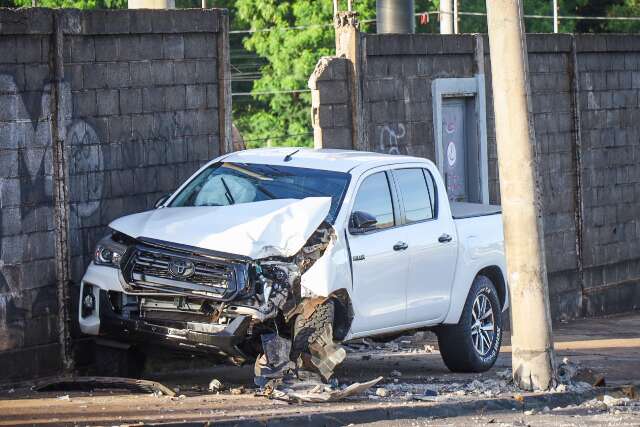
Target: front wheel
(474, 343)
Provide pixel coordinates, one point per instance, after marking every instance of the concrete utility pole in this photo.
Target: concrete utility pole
(395, 17)
(151, 4)
(531, 340)
(555, 16)
(456, 20)
(446, 16)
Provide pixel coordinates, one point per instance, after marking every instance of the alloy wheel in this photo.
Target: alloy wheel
(483, 327)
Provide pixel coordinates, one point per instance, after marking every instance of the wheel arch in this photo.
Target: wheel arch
(343, 314)
(495, 274)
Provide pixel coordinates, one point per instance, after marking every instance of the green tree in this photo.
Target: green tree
(282, 113)
(623, 8)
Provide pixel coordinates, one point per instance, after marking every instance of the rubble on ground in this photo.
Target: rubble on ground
(215, 385)
(366, 348)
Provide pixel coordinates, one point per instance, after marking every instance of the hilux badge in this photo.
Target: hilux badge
(181, 269)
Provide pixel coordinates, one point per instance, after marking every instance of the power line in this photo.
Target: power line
(270, 92)
(419, 14)
(584, 18)
(279, 137)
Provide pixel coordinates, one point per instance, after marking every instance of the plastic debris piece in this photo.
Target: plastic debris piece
(325, 354)
(332, 396)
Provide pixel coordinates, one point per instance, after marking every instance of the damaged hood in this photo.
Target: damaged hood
(256, 230)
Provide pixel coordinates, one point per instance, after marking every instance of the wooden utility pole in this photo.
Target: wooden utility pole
(520, 192)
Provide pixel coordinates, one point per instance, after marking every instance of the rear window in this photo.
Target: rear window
(415, 194)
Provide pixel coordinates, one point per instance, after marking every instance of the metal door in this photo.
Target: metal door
(454, 148)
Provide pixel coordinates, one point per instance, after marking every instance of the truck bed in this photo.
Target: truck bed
(461, 210)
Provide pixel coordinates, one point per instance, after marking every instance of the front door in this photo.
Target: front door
(379, 259)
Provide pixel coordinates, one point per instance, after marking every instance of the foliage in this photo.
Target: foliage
(292, 55)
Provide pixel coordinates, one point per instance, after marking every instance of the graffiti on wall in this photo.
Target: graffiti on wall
(391, 139)
(27, 193)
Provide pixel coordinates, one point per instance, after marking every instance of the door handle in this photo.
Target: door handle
(445, 238)
(400, 246)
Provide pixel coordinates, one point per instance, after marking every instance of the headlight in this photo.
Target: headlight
(109, 252)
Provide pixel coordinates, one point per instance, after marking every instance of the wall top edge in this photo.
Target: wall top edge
(35, 21)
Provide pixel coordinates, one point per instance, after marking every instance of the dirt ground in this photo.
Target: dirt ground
(411, 367)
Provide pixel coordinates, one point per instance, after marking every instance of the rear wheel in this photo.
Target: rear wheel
(474, 343)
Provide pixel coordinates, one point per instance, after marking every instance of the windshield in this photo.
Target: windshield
(223, 184)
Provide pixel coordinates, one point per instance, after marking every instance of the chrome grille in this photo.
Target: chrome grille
(147, 269)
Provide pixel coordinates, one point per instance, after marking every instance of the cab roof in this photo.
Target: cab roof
(323, 159)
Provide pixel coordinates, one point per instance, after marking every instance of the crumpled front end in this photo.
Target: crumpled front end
(194, 298)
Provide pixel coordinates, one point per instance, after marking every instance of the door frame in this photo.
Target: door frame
(468, 87)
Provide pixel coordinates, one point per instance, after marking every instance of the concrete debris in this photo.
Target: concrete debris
(215, 385)
(331, 395)
(566, 371)
(237, 390)
(404, 344)
(382, 392)
(505, 374)
(573, 373)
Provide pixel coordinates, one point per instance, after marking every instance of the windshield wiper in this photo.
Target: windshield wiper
(263, 190)
(227, 192)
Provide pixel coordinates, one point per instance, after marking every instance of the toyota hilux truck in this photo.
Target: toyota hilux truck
(316, 247)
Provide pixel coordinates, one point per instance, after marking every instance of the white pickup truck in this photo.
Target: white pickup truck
(315, 246)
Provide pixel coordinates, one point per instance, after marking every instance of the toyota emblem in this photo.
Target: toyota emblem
(181, 269)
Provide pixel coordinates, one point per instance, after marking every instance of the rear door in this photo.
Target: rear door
(379, 261)
(432, 246)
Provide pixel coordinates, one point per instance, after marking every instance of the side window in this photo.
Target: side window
(374, 197)
(433, 196)
(415, 194)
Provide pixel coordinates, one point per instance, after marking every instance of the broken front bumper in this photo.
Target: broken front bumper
(204, 338)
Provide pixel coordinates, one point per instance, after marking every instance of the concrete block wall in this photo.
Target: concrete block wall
(397, 76)
(28, 304)
(143, 103)
(609, 98)
(586, 110)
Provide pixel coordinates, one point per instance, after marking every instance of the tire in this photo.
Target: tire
(465, 347)
(307, 331)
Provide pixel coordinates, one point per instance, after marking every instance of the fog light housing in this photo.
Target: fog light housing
(88, 301)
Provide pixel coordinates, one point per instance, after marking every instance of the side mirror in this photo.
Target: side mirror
(361, 222)
(161, 200)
